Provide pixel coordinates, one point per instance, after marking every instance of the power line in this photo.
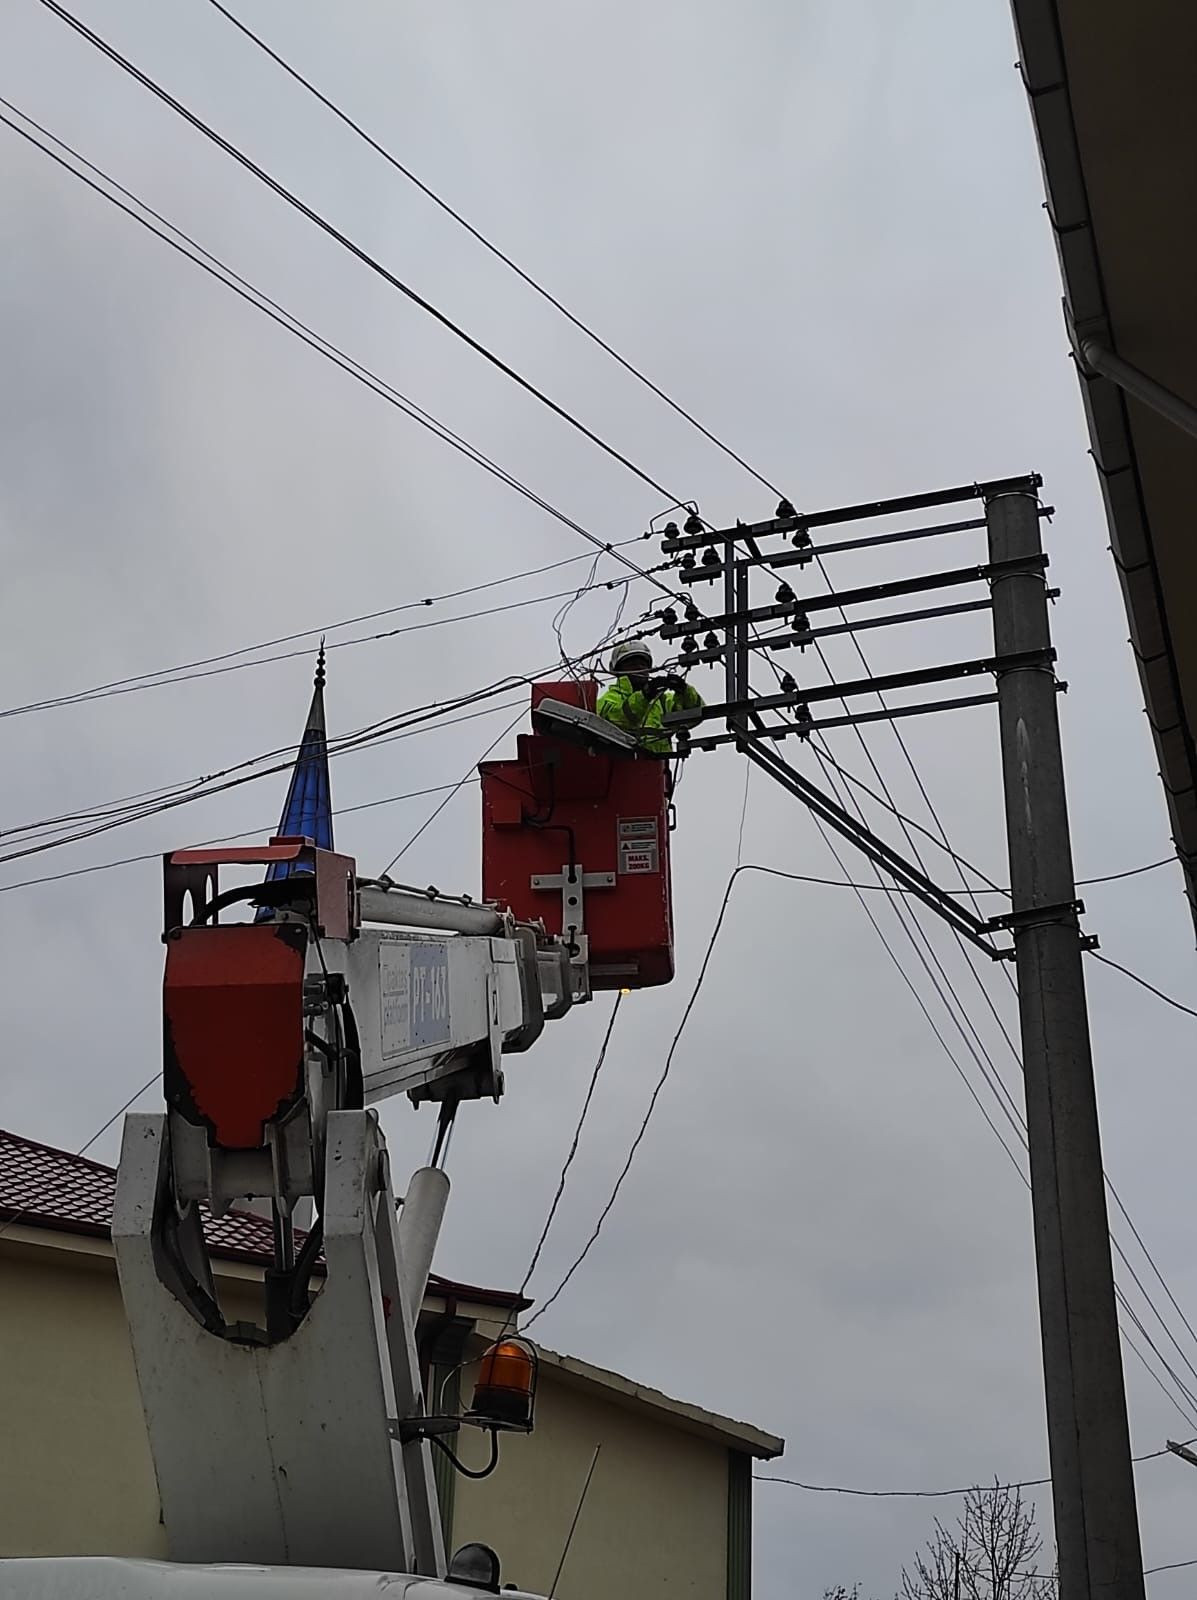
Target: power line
(124, 804)
(886, 802)
(955, 1009)
(608, 634)
(1131, 872)
(380, 734)
(1170, 1566)
(1015, 1117)
(456, 789)
(573, 1146)
(749, 867)
(354, 249)
(321, 630)
(262, 302)
(1018, 1124)
(1142, 982)
(488, 244)
(336, 644)
(652, 1104)
(993, 1078)
(229, 838)
(358, 736)
(922, 1494)
(405, 289)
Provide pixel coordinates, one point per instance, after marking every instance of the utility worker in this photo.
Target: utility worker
(638, 702)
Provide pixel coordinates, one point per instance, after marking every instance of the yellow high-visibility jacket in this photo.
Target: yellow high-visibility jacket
(645, 714)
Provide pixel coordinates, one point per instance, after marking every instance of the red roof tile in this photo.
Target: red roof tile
(42, 1187)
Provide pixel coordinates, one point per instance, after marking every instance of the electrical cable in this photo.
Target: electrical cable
(955, 1008)
(193, 788)
(378, 735)
(606, 639)
(366, 734)
(643, 1129)
(1189, 1417)
(992, 1077)
(336, 644)
(227, 838)
(1142, 982)
(1009, 1107)
(348, 244)
(886, 802)
(262, 302)
(327, 227)
(459, 1466)
(381, 734)
(456, 789)
(488, 244)
(924, 1494)
(1014, 1114)
(1170, 1566)
(385, 731)
(744, 814)
(573, 1146)
(1020, 1130)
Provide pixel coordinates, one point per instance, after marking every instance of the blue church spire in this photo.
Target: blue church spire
(307, 811)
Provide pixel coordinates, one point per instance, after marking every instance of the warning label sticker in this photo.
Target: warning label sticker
(639, 851)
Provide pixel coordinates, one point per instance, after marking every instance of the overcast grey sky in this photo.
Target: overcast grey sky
(820, 227)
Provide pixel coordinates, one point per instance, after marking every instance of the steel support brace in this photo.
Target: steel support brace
(904, 873)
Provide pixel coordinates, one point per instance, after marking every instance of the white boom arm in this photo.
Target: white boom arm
(297, 1439)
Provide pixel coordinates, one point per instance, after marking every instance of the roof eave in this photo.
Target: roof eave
(1044, 70)
(618, 1390)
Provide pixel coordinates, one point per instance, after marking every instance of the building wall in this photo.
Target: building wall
(75, 1470)
(654, 1520)
(76, 1476)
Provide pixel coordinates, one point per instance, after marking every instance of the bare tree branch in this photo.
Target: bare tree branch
(995, 1547)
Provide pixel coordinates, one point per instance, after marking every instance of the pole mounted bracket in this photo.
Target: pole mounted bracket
(1035, 916)
(1063, 911)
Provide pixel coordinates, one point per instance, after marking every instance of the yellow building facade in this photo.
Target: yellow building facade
(667, 1511)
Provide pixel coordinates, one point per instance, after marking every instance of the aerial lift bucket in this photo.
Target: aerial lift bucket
(576, 834)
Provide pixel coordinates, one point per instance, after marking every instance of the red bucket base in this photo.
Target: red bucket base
(557, 804)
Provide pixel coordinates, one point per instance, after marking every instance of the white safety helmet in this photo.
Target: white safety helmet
(630, 650)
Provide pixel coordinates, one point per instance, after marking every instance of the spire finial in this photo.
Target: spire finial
(319, 680)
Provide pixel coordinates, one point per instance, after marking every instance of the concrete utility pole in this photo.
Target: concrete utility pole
(1097, 1527)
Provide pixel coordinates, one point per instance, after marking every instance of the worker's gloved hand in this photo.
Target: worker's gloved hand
(671, 681)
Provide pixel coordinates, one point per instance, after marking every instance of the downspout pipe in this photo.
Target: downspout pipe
(1099, 358)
